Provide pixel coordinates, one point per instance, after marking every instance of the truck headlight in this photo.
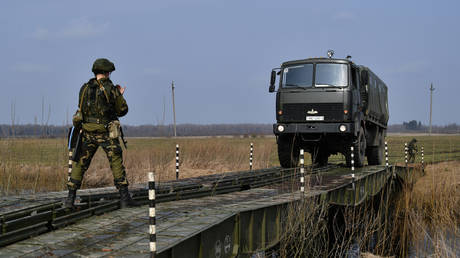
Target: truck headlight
(280, 128)
(342, 128)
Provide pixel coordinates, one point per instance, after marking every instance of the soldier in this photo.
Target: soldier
(100, 105)
(412, 149)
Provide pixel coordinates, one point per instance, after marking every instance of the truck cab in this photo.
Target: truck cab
(322, 106)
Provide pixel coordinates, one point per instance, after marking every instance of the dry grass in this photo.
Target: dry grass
(316, 229)
(37, 165)
(430, 212)
(305, 230)
(422, 220)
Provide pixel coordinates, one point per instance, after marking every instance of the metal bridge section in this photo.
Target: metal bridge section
(238, 214)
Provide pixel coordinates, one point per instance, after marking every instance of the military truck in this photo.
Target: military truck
(327, 105)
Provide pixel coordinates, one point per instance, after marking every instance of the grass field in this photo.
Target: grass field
(36, 165)
(424, 212)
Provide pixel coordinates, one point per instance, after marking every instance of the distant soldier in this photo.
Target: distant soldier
(412, 149)
(100, 105)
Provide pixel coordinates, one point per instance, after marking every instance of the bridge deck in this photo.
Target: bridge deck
(125, 232)
(222, 225)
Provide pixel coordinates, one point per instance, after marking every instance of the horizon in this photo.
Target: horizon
(124, 124)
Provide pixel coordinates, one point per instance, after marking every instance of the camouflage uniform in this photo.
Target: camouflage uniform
(412, 149)
(100, 105)
(98, 110)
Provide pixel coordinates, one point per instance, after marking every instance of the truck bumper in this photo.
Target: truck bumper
(280, 128)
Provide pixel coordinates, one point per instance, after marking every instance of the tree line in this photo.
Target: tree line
(52, 131)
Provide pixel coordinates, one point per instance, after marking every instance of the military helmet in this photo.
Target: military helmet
(103, 65)
(414, 140)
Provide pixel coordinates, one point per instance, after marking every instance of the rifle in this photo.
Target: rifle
(74, 143)
(122, 136)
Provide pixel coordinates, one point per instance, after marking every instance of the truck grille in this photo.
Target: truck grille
(332, 112)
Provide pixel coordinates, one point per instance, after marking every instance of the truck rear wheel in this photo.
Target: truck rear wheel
(288, 151)
(375, 153)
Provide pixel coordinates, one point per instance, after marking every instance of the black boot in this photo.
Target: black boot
(70, 199)
(125, 198)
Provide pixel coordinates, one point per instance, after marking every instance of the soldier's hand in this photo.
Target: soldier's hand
(121, 89)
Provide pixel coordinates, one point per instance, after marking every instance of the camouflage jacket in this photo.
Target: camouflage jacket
(101, 102)
(412, 146)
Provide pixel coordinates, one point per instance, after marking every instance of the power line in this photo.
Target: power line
(174, 108)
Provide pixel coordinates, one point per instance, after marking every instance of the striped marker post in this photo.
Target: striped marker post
(353, 180)
(69, 144)
(352, 169)
(352, 158)
(386, 155)
(251, 153)
(152, 216)
(69, 172)
(405, 153)
(177, 161)
(302, 172)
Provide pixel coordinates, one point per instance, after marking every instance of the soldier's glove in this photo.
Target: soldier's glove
(120, 89)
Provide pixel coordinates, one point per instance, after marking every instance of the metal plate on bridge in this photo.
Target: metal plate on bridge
(125, 232)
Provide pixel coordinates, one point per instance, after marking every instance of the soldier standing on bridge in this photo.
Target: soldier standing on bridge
(100, 105)
(412, 149)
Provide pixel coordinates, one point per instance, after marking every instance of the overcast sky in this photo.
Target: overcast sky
(220, 54)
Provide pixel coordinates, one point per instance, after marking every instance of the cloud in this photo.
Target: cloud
(75, 29)
(82, 28)
(31, 68)
(41, 33)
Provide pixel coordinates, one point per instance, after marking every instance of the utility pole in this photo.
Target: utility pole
(431, 104)
(174, 108)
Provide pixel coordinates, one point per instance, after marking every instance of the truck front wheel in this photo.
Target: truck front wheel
(288, 151)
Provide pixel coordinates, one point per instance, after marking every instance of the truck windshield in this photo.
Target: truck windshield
(328, 75)
(298, 76)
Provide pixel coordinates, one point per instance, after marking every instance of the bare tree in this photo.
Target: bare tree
(43, 114)
(13, 117)
(48, 119)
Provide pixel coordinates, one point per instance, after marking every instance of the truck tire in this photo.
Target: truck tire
(360, 149)
(375, 153)
(288, 151)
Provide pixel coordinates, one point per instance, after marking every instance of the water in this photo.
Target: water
(444, 244)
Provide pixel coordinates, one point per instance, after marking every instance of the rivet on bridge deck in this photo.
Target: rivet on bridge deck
(226, 222)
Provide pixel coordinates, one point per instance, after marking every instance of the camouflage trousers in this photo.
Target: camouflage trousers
(411, 156)
(90, 144)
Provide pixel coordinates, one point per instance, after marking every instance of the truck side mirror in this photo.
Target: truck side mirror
(272, 81)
